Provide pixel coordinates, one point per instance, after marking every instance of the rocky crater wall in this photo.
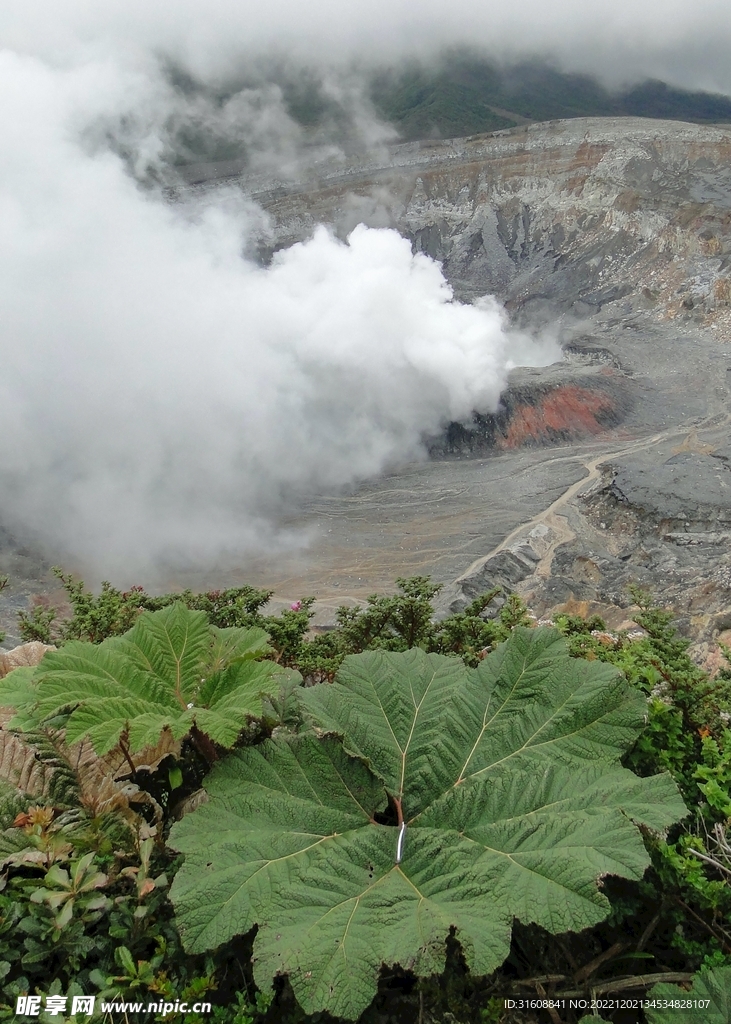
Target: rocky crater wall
(571, 214)
(589, 221)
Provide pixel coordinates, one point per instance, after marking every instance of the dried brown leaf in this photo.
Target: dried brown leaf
(26, 655)
(20, 766)
(101, 780)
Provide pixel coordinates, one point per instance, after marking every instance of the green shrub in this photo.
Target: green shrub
(394, 623)
(115, 611)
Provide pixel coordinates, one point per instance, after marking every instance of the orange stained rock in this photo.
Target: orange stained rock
(570, 411)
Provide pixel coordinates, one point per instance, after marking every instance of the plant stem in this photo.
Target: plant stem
(706, 925)
(205, 746)
(595, 964)
(551, 1010)
(125, 751)
(645, 937)
(710, 860)
(620, 984)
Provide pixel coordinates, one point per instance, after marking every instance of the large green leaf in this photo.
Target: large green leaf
(708, 1002)
(19, 690)
(170, 671)
(431, 798)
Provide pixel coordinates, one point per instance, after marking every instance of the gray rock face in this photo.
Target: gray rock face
(573, 215)
(688, 487)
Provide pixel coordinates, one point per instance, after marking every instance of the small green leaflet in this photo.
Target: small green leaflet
(712, 985)
(170, 671)
(501, 796)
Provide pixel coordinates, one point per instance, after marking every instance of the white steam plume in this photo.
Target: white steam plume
(161, 398)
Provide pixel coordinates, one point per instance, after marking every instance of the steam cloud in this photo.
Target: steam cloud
(162, 397)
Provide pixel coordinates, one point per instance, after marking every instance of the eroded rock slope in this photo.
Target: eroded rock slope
(617, 233)
(572, 213)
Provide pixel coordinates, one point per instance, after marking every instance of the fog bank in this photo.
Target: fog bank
(162, 398)
(686, 44)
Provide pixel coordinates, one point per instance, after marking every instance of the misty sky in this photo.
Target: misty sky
(684, 42)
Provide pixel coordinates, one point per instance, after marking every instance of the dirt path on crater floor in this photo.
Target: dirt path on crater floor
(561, 531)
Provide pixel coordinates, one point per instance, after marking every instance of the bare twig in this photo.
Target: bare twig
(551, 1010)
(710, 860)
(543, 979)
(645, 937)
(588, 969)
(620, 984)
(712, 931)
(564, 947)
(719, 834)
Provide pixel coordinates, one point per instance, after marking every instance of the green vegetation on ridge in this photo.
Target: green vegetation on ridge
(457, 94)
(466, 95)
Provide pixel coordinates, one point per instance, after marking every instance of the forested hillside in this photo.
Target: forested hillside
(465, 95)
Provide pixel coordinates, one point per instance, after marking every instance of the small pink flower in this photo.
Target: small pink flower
(296, 606)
